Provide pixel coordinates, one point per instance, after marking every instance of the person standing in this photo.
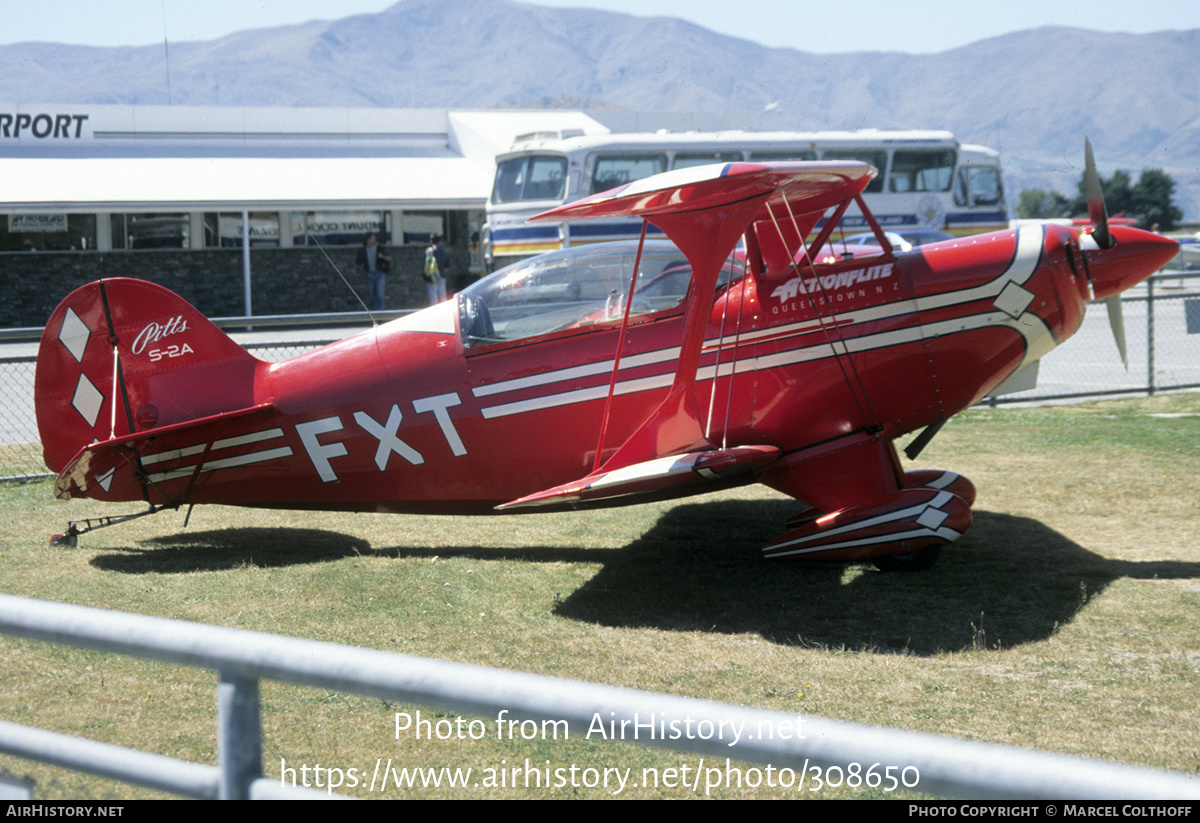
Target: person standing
(436, 270)
(374, 263)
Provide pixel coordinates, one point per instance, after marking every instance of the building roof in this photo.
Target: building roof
(56, 158)
(237, 183)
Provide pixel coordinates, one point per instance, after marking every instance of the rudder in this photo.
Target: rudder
(122, 355)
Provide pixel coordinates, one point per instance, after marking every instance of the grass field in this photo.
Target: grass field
(1065, 620)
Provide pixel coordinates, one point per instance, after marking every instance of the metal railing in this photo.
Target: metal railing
(933, 764)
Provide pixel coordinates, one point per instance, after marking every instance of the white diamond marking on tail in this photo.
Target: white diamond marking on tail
(74, 334)
(87, 400)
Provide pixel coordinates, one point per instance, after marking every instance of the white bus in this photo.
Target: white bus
(927, 179)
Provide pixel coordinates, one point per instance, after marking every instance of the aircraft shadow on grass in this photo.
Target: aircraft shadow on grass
(224, 549)
(220, 549)
(1010, 580)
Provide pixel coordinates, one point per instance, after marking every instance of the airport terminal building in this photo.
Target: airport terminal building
(243, 210)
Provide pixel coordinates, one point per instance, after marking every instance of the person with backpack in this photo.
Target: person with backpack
(436, 269)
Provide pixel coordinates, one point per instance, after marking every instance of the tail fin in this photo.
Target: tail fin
(121, 356)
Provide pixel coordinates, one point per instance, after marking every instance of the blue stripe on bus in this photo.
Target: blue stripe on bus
(601, 231)
(525, 233)
(984, 218)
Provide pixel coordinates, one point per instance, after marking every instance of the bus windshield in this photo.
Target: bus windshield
(536, 177)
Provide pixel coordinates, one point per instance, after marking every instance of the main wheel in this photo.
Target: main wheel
(916, 561)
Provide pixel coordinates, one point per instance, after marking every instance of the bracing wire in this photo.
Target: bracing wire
(712, 395)
(347, 282)
(737, 341)
(830, 329)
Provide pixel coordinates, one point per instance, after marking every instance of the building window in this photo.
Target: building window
(419, 226)
(150, 231)
(339, 228)
(264, 230)
(47, 232)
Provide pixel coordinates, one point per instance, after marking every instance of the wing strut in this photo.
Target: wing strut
(612, 382)
(706, 237)
(737, 338)
(670, 451)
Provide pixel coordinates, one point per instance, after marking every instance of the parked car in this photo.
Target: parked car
(901, 240)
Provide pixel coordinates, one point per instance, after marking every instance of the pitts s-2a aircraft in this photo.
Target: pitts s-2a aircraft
(743, 348)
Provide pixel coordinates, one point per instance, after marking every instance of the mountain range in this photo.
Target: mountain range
(1033, 95)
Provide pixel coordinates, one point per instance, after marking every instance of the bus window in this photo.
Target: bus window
(618, 169)
(530, 178)
(685, 160)
(878, 159)
(978, 186)
(771, 156)
(781, 156)
(922, 170)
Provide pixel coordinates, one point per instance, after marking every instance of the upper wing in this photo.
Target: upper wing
(806, 186)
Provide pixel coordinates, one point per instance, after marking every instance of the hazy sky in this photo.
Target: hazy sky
(913, 26)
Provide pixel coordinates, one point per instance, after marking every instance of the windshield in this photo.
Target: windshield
(574, 288)
(530, 178)
(984, 186)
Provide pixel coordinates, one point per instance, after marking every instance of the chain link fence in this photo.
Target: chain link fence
(20, 447)
(1162, 333)
(1162, 329)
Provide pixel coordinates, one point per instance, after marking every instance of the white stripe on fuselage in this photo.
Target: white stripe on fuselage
(1039, 339)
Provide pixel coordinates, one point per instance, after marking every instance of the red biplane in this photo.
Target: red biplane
(742, 348)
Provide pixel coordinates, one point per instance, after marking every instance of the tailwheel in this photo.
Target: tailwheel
(916, 561)
(68, 539)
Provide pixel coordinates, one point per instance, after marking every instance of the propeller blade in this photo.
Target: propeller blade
(1097, 212)
(1116, 320)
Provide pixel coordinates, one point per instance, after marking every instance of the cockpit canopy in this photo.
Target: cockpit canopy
(573, 289)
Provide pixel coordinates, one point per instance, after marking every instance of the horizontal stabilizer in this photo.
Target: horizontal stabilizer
(653, 477)
(140, 465)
